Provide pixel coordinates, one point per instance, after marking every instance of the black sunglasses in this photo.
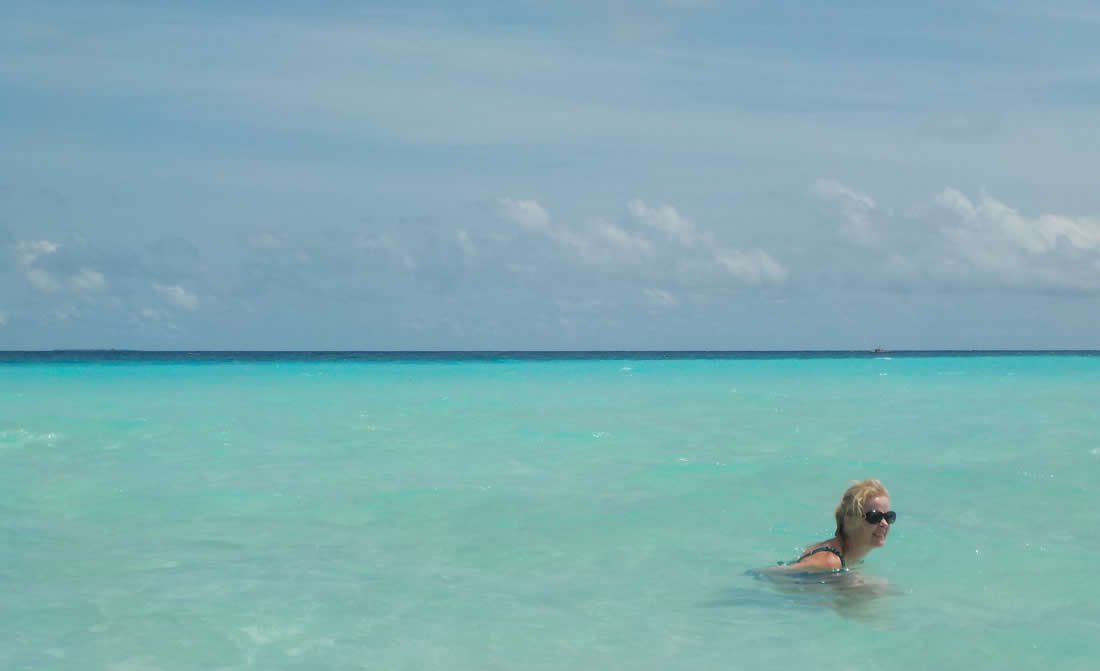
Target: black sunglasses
(875, 516)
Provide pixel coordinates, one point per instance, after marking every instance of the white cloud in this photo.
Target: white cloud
(991, 219)
(855, 209)
(88, 280)
(30, 250)
(177, 296)
(602, 244)
(527, 213)
(1002, 245)
(968, 242)
(597, 241)
(665, 219)
(620, 239)
(753, 267)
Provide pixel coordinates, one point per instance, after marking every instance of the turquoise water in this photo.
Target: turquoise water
(587, 513)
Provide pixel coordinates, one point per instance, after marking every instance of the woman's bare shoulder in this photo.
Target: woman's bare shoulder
(818, 561)
(813, 559)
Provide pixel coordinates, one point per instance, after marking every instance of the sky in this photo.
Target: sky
(549, 175)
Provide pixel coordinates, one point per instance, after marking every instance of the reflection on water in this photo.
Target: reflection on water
(850, 593)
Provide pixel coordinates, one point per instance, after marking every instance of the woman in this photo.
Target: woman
(863, 521)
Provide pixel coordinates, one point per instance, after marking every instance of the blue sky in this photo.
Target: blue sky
(661, 174)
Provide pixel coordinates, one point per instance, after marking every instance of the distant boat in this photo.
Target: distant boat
(879, 350)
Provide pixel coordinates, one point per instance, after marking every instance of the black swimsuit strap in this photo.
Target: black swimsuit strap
(826, 548)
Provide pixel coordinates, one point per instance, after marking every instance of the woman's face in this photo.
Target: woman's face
(873, 534)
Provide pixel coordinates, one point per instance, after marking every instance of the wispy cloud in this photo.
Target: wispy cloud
(661, 298)
(88, 280)
(619, 239)
(665, 219)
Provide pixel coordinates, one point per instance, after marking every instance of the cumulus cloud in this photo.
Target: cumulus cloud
(991, 219)
(968, 242)
(856, 210)
(31, 256)
(596, 241)
(997, 241)
(665, 219)
(177, 296)
(527, 213)
(28, 251)
(622, 247)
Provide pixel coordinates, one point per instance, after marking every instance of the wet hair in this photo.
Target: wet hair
(851, 504)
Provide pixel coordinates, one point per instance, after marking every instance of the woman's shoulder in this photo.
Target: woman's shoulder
(823, 555)
(831, 545)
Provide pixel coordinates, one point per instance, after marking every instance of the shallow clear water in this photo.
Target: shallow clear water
(588, 513)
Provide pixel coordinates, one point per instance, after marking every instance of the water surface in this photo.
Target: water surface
(504, 511)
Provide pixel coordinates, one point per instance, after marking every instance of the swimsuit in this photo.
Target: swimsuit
(825, 548)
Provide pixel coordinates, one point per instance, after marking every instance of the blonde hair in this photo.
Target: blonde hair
(851, 504)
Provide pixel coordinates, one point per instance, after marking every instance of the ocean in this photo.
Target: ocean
(543, 511)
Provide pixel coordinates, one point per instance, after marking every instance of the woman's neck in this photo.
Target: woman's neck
(853, 552)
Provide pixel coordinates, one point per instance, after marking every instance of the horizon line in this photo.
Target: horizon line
(113, 350)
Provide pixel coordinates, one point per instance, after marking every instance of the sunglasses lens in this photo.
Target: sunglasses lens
(874, 516)
(891, 517)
